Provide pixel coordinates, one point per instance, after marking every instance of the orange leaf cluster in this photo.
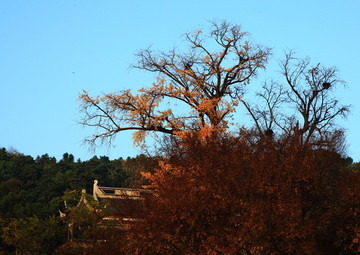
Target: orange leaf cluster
(221, 195)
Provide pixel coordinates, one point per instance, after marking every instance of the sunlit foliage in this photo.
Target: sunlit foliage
(206, 82)
(225, 195)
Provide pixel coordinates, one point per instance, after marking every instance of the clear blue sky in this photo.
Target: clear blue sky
(51, 50)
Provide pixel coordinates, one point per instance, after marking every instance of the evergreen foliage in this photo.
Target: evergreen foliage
(32, 190)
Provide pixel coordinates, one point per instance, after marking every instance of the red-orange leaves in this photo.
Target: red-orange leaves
(223, 195)
(206, 83)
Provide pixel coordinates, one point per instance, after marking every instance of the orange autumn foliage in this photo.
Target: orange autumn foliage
(280, 187)
(199, 88)
(224, 195)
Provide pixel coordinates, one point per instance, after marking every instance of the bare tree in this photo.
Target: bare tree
(304, 106)
(266, 114)
(206, 82)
